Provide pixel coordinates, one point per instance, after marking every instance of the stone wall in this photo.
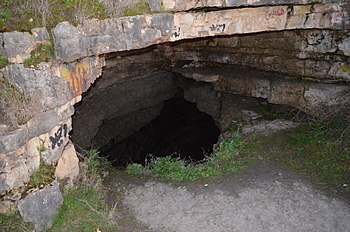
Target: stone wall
(310, 68)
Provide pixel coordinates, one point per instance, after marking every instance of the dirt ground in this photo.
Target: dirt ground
(266, 197)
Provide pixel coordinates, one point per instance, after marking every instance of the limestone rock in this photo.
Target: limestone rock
(344, 46)
(288, 93)
(127, 125)
(185, 5)
(269, 127)
(40, 34)
(16, 167)
(206, 100)
(323, 96)
(67, 168)
(135, 94)
(41, 123)
(18, 45)
(111, 35)
(104, 36)
(41, 206)
(154, 5)
(56, 140)
(13, 140)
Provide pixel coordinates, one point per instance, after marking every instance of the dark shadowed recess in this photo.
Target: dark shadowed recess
(180, 130)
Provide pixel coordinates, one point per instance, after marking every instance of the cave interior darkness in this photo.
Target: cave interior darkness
(180, 130)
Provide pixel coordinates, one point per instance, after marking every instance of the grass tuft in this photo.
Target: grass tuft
(3, 62)
(138, 9)
(83, 209)
(14, 222)
(42, 176)
(226, 159)
(43, 53)
(134, 169)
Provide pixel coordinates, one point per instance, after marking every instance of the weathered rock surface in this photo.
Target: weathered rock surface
(269, 127)
(112, 35)
(132, 95)
(67, 169)
(18, 45)
(118, 128)
(317, 55)
(41, 206)
(185, 5)
(306, 96)
(40, 124)
(16, 167)
(54, 86)
(206, 99)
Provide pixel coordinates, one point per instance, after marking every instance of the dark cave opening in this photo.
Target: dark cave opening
(180, 130)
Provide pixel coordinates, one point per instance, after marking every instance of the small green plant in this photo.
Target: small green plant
(41, 147)
(236, 127)
(134, 169)
(43, 53)
(139, 9)
(95, 162)
(14, 222)
(226, 159)
(42, 176)
(3, 62)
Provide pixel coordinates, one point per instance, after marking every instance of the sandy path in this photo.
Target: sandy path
(267, 197)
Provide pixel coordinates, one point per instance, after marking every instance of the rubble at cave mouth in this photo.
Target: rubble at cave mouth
(180, 130)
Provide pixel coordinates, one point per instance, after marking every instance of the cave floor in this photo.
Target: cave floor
(266, 197)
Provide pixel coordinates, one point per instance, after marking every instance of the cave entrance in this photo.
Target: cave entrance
(180, 130)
